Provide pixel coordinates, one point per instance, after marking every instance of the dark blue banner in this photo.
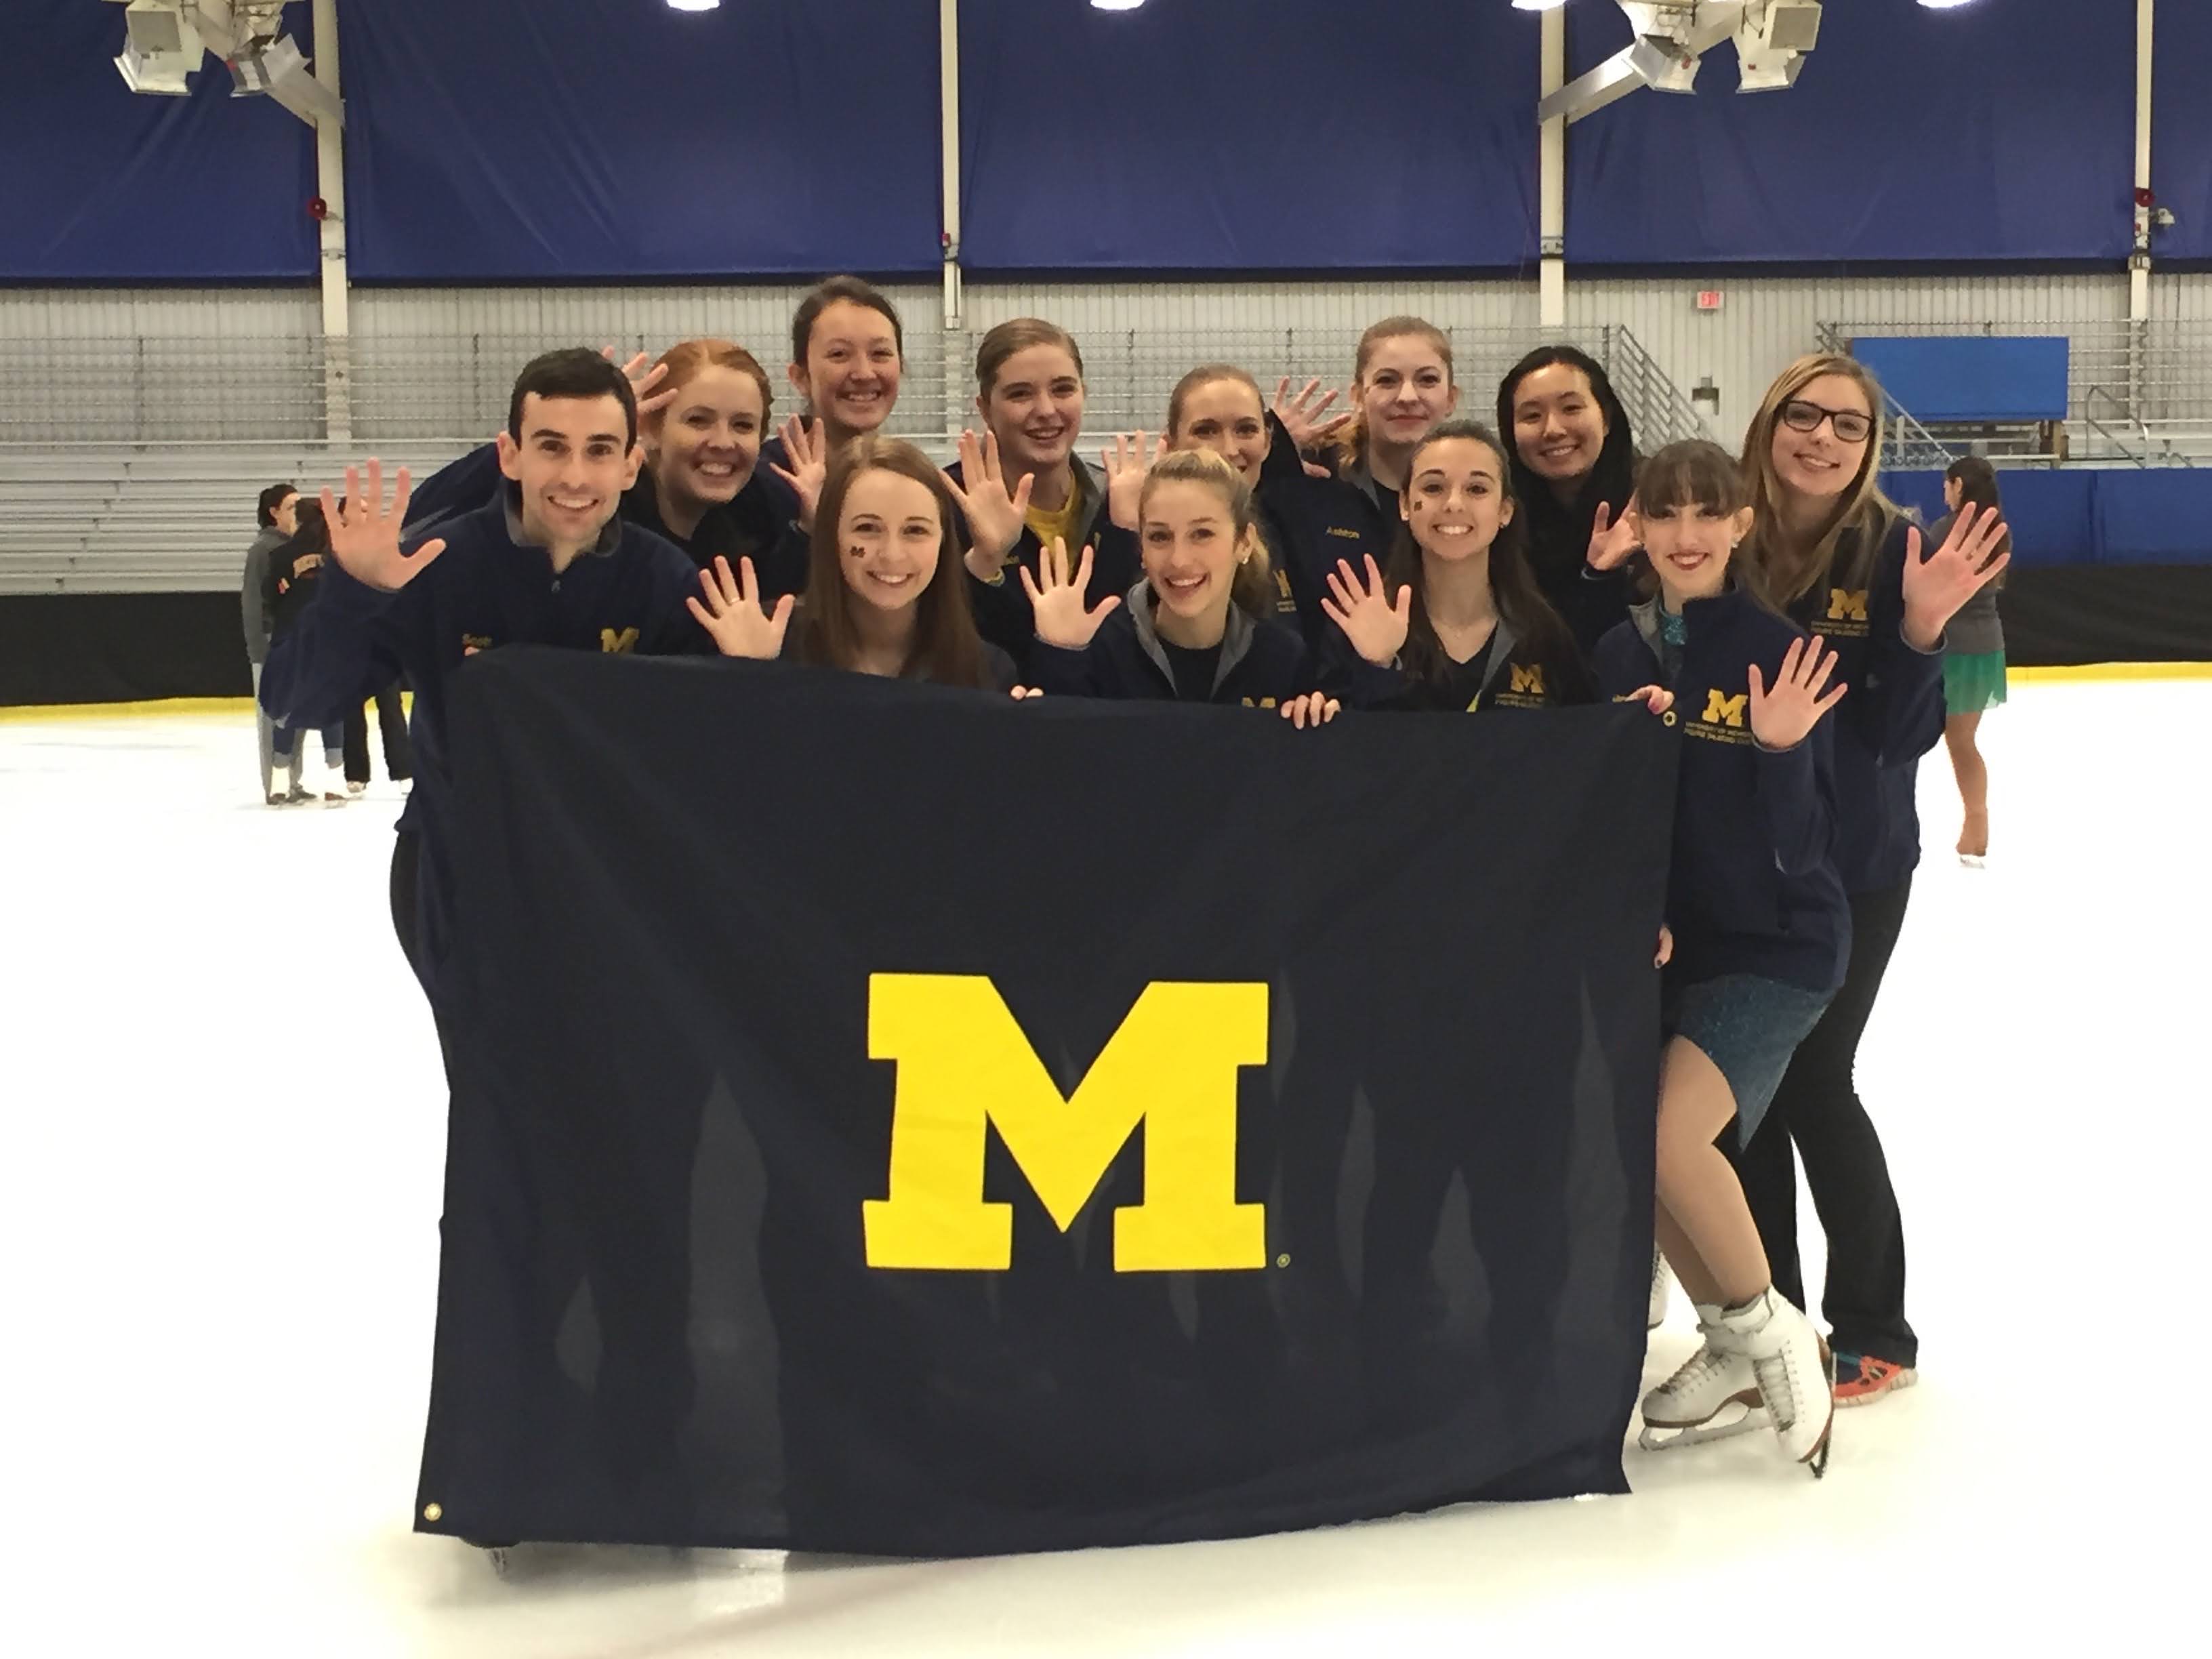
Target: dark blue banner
(1248, 135)
(100, 184)
(507, 140)
(1996, 131)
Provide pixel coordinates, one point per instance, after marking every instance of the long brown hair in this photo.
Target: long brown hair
(1350, 439)
(1863, 515)
(946, 648)
(1512, 580)
(1249, 585)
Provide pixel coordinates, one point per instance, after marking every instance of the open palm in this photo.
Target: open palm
(733, 615)
(365, 533)
(1783, 716)
(1375, 625)
(1056, 599)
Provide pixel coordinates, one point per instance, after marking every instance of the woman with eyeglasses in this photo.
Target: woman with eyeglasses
(1831, 550)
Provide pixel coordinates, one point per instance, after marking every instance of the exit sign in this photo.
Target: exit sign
(1709, 299)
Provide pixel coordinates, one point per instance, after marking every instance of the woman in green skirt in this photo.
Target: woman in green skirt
(1974, 660)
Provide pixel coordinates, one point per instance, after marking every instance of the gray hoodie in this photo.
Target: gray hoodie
(250, 597)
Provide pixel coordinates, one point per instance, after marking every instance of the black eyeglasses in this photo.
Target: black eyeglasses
(1851, 427)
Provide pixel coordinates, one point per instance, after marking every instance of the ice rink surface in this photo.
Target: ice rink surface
(224, 1126)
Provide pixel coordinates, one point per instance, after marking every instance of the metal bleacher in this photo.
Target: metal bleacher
(131, 465)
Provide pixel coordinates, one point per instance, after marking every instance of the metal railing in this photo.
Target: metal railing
(2155, 376)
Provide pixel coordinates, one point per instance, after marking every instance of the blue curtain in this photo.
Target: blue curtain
(2181, 128)
(2003, 131)
(100, 184)
(1248, 134)
(528, 140)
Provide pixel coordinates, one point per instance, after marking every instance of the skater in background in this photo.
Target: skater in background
(1840, 560)
(1759, 927)
(1574, 470)
(1973, 659)
(391, 732)
(275, 512)
(289, 585)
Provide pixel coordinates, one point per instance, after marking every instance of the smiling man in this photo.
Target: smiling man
(549, 563)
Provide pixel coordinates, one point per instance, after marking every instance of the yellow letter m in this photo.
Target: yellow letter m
(964, 1063)
(1721, 710)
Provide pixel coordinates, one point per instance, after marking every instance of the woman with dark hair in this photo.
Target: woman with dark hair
(1574, 457)
(1456, 623)
(288, 587)
(883, 594)
(847, 355)
(1973, 659)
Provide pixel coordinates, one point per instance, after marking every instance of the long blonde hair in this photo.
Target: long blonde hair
(1250, 586)
(1863, 515)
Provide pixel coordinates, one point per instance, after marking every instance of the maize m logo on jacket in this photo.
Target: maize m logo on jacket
(965, 1066)
(1847, 614)
(1726, 718)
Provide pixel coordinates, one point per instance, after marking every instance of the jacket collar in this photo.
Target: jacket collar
(1236, 639)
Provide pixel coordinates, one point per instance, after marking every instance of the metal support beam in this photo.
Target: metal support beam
(956, 299)
(1551, 183)
(330, 185)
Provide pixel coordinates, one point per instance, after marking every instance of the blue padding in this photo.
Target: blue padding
(494, 140)
(2089, 515)
(1970, 378)
(100, 184)
(1301, 135)
(1998, 132)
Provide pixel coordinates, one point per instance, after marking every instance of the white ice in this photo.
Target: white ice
(223, 1128)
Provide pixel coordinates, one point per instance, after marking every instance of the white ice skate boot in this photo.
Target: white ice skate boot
(1796, 1372)
(1713, 1396)
(1655, 1312)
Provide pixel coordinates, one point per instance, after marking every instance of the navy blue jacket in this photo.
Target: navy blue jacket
(1309, 524)
(1893, 715)
(1753, 888)
(1002, 611)
(1262, 664)
(1514, 675)
(752, 525)
(486, 590)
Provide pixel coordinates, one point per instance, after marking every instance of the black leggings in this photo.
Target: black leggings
(391, 722)
(1818, 1108)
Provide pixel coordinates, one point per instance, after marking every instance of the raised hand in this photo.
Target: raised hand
(1057, 599)
(1302, 418)
(1125, 465)
(365, 534)
(1375, 626)
(1785, 716)
(809, 449)
(1936, 586)
(643, 375)
(732, 614)
(995, 514)
(1610, 543)
(1316, 709)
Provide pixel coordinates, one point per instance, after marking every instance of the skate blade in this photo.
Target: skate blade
(1738, 1417)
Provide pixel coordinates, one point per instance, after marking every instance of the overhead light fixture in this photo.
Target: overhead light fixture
(1944, 5)
(1115, 5)
(1538, 5)
(161, 49)
(695, 5)
(1771, 43)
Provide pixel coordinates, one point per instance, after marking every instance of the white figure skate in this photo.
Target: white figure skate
(1714, 1396)
(1795, 1373)
(1655, 1310)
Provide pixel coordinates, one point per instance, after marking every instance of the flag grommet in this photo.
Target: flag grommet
(434, 1512)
